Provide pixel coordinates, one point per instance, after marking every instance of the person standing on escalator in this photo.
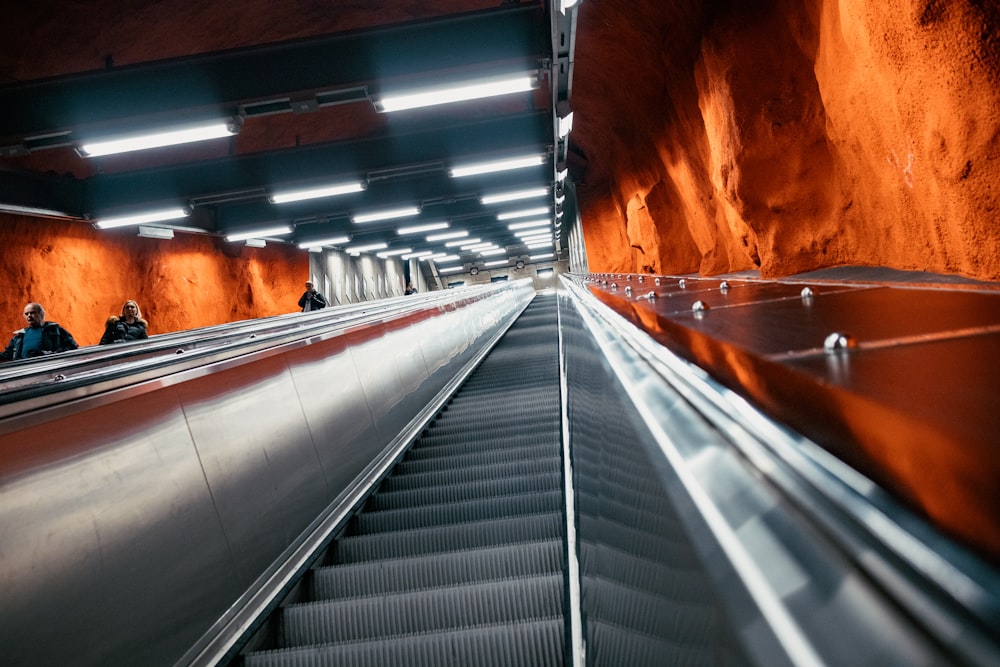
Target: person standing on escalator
(129, 326)
(311, 299)
(39, 338)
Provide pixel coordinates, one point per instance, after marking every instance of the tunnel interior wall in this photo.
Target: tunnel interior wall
(786, 136)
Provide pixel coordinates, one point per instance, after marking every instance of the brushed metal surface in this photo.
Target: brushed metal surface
(133, 515)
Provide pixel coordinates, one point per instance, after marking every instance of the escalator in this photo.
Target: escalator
(459, 556)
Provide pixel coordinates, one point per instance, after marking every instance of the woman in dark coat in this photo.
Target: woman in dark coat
(128, 326)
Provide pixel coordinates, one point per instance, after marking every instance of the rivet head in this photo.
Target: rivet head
(682, 283)
(641, 279)
(807, 292)
(837, 341)
(657, 281)
(699, 306)
(59, 377)
(651, 295)
(614, 286)
(724, 286)
(628, 289)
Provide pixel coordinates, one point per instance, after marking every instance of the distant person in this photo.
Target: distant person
(410, 289)
(38, 338)
(311, 299)
(128, 326)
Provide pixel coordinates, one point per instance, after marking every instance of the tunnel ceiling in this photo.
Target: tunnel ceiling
(302, 84)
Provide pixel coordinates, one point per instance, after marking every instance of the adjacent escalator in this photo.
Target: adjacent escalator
(458, 557)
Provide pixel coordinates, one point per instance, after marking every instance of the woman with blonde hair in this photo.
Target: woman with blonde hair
(128, 326)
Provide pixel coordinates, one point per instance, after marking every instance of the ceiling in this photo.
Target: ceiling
(307, 114)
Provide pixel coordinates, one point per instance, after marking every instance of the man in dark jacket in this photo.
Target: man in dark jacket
(311, 299)
(38, 338)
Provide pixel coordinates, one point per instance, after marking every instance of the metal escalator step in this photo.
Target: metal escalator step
(461, 431)
(492, 457)
(433, 610)
(540, 413)
(387, 500)
(471, 474)
(612, 645)
(692, 623)
(437, 570)
(654, 515)
(447, 538)
(532, 643)
(482, 509)
(431, 448)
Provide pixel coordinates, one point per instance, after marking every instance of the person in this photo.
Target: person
(311, 299)
(128, 326)
(410, 289)
(38, 338)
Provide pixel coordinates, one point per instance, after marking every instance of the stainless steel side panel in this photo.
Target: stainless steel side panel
(132, 519)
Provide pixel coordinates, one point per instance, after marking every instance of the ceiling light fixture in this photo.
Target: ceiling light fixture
(547, 255)
(417, 255)
(523, 213)
(497, 165)
(496, 262)
(451, 269)
(393, 253)
(565, 124)
(514, 195)
(155, 232)
(284, 197)
(32, 210)
(358, 249)
(419, 229)
(142, 218)
(170, 137)
(278, 230)
(460, 92)
(255, 243)
(387, 214)
(452, 244)
(528, 224)
(486, 245)
(447, 235)
(332, 240)
(491, 253)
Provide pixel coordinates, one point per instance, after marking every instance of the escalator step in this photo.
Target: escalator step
(430, 447)
(445, 569)
(471, 474)
(447, 538)
(535, 643)
(387, 500)
(434, 610)
(483, 509)
(461, 433)
(488, 458)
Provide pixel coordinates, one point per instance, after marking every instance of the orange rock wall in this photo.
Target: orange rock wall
(82, 275)
(788, 135)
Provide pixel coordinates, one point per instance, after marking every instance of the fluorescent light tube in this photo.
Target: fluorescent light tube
(393, 253)
(415, 255)
(434, 255)
(523, 213)
(278, 230)
(31, 210)
(497, 165)
(446, 258)
(387, 214)
(452, 244)
(490, 253)
(333, 240)
(317, 192)
(486, 245)
(142, 218)
(418, 229)
(547, 255)
(529, 224)
(367, 247)
(514, 195)
(471, 90)
(496, 262)
(255, 243)
(447, 235)
(180, 135)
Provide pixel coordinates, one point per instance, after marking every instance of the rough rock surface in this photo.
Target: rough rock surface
(788, 135)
